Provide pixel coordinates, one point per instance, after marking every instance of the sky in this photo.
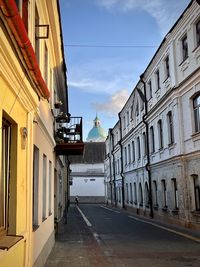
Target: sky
(108, 45)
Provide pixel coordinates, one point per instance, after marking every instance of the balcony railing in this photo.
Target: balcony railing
(68, 136)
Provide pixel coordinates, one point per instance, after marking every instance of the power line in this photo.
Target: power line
(109, 46)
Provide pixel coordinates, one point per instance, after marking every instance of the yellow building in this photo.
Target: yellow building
(34, 167)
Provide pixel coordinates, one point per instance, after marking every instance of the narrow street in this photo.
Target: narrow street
(96, 235)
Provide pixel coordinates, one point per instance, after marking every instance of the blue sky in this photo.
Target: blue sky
(100, 79)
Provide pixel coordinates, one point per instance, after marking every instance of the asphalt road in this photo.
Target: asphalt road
(97, 235)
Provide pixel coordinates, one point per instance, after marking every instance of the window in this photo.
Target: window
(44, 188)
(129, 153)
(124, 122)
(160, 134)
(137, 109)
(35, 186)
(198, 33)
(131, 193)
(184, 48)
(164, 194)
(152, 142)
(138, 148)
(170, 127)
(146, 194)
(133, 151)
(167, 72)
(144, 143)
(196, 106)
(140, 195)
(50, 187)
(155, 193)
(135, 193)
(127, 118)
(127, 194)
(4, 178)
(175, 191)
(150, 89)
(158, 79)
(125, 155)
(196, 192)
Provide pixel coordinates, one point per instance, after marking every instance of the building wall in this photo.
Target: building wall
(87, 183)
(169, 170)
(32, 118)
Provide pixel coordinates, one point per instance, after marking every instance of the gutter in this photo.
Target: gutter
(17, 27)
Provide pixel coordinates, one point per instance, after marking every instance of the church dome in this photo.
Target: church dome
(97, 133)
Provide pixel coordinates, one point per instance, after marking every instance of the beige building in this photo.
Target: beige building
(33, 149)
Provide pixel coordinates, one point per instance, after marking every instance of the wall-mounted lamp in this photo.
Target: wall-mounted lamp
(24, 135)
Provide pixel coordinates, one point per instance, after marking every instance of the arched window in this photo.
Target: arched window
(138, 148)
(133, 151)
(152, 142)
(164, 194)
(160, 134)
(196, 107)
(196, 191)
(144, 143)
(140, 195)
(135, 193)
(155, 193)
(146, 194)
(170, 127)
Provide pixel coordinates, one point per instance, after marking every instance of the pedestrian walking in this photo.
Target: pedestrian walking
(76, 200)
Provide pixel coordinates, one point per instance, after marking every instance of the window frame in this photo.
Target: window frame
(160, 133)
(184, 47)
(196, 113)
(152, 139)
(157, 73)
(197, 33)
(170, 124)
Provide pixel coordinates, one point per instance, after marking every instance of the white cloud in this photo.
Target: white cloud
(102, 76)
(164, 12)
(114, 103)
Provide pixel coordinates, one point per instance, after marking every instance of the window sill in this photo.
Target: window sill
(184, 64)
(8, 241)
(175, 211)
(196, 136)
(171, 145)
(165, 209)
(196, 213)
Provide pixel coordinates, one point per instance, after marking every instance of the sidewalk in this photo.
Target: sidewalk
(75, 245)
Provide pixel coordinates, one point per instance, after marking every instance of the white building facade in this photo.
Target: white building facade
(153, 152)
(87, 174)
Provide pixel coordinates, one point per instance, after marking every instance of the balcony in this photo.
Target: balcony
(68, 136)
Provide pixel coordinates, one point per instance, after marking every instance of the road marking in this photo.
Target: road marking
(84, 217)
(196, 239)
(110, 209)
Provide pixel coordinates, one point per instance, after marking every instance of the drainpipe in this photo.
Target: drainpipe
(17, 27)
(112, 141)
(122, 163)
(148, 168)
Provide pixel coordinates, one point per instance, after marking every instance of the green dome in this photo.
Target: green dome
(97, 133)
